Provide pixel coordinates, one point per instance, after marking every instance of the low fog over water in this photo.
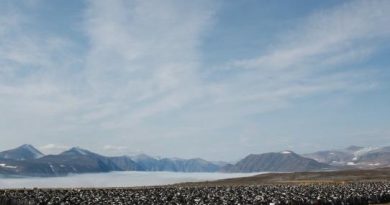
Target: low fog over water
(115, 179)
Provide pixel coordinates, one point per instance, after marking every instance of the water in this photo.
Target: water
(115, 179)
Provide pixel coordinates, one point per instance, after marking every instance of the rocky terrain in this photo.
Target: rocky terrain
(351, 193)
(342, 176)
(335, 187)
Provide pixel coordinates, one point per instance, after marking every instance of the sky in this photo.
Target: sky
(210, 79)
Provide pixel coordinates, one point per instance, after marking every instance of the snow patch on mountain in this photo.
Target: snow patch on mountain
(365, 150)
(8, 166)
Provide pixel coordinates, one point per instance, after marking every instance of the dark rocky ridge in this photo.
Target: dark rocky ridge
(286, 161)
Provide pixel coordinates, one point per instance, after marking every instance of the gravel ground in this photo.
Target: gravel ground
(351, 193)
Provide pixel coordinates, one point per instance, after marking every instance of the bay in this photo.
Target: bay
(114, 179)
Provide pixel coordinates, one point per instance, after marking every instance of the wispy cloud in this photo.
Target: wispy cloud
(141, 80)
(143, 55)
(322, 54)
(35, 78)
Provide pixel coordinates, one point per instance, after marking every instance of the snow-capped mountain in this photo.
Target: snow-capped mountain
(23, 152)
(354, 156)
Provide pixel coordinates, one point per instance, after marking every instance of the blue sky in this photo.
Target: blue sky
(211, 79)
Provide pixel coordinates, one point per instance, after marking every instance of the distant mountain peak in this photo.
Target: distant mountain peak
(31, 149)
(26, 146)
(76, 151)
(79, 150)
(22, 152)
(276, 161)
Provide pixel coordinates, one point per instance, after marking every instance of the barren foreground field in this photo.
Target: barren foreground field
(342, 187)
(344, 176)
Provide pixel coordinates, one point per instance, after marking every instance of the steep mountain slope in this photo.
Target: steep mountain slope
(286, 161)
(124, 163)
(25, 168)
(148, 163)
(187, 165)
(377, 157)
(77, 160)
(24, 152)
(197, 165)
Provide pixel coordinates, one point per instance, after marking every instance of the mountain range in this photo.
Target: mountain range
(26, 160)
(354, 156)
